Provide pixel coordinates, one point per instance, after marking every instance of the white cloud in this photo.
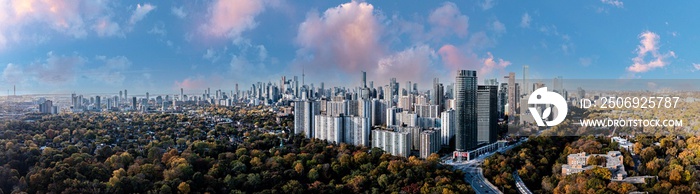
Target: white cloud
(141, 12)
(587, 61)
(414, 63)
(615, 3)
(211, 55)
(109, 70)
(551, 30)
(158, 29)
(567, 47)
(487, 4)
(56, 70)
(479, 41)
(35, 21)
(525, 20)
(262, 52)
(248, 65)
(179, 12)
(442, 22)
(13, 74)
(448, 19)
(498, 27)
(63, 70)
(696, 67)
(649, 45)
(106, 27)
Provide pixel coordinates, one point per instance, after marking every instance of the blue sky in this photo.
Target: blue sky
(161, 46)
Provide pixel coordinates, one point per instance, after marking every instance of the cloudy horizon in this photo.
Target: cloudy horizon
(160, 46)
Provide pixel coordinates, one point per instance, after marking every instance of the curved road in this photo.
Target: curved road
(474, 174)
(520, 185)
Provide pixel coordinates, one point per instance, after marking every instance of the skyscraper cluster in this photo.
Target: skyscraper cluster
(459, 116)
(400, 118)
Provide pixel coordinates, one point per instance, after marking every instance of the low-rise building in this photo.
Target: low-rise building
(623, 143)
(577, 163)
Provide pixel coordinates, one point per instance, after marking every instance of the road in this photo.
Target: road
(473, 173)
(522, 188)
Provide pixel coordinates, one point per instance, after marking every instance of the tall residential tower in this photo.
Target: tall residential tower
(465, 110)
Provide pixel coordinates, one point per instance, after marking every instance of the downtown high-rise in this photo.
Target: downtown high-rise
(438, 95)
(465, 110)
(487, 114)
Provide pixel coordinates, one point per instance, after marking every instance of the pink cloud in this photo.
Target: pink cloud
(230, 18)
(191, 84)
(30, 21)
(62, 16)
(492, 64)
(448, 19)
(456, 59)
(649, 45)
(198, 83)
(347, 36)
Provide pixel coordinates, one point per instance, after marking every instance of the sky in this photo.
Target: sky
(59, 47)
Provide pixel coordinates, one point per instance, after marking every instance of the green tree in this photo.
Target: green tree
(313, 174)
(292, 186)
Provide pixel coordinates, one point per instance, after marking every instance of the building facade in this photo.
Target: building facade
(465, 110)
(328, 128)
(487, 114)
(304, 112)
(447, 126)
(429, 142)
(395, 142)
(577, 163)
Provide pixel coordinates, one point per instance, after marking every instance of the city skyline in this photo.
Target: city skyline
(158, 47)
